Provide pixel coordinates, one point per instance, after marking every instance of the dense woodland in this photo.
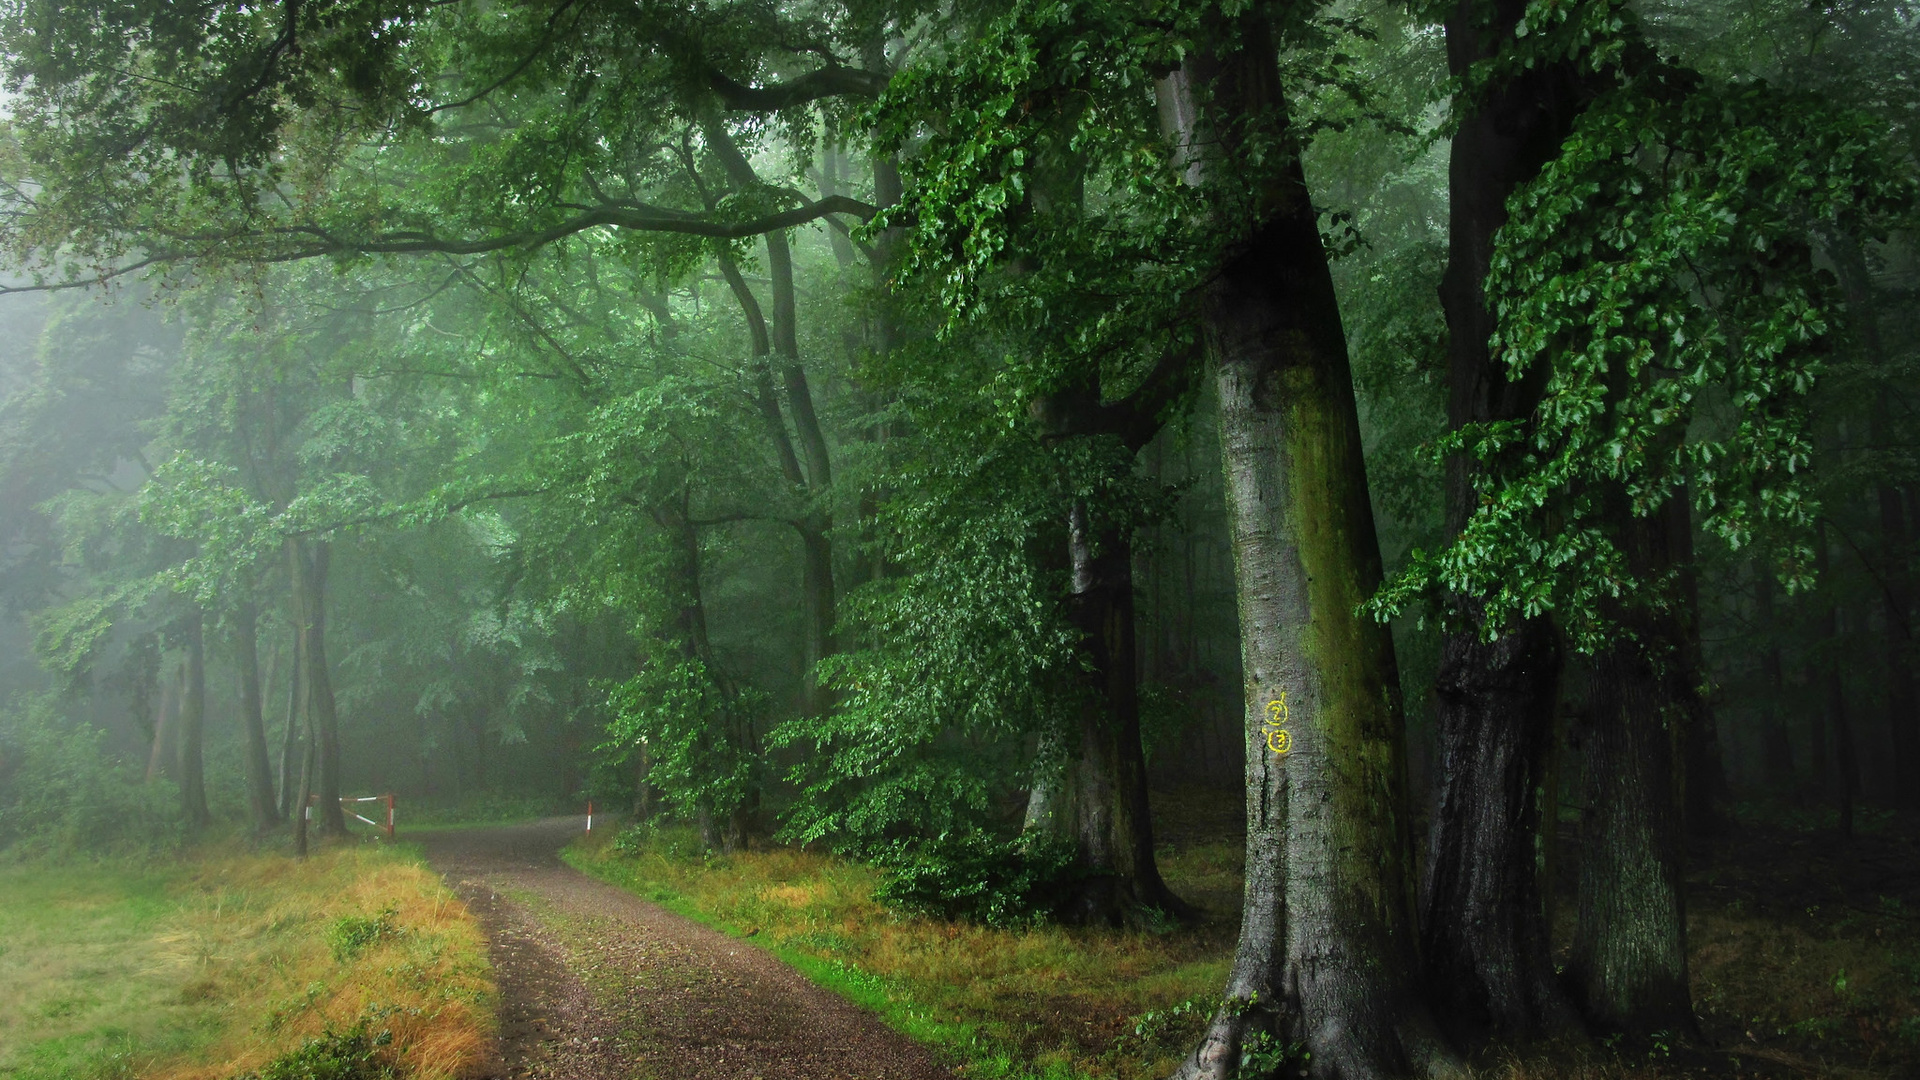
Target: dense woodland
(1482, 434)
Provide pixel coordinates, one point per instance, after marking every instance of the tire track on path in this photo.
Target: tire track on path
(598, 984)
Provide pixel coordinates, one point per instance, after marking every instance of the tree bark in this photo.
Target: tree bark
(1327, 952)
(1776, 747)
(308, 562)
(246, 657)
(1096, 801)
(157, 756)
(193, 715)
(1836, 704)
(1630, 947)
(1484, 932)
(296, 674)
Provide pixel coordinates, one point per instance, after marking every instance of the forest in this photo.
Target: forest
(1184, 538)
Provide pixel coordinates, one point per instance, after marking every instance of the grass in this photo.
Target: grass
(226, 959)
(1046, 1001)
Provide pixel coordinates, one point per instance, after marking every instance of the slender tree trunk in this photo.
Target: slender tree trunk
(1705, 797)
(253, 728)
(296, 675)
(162, 728)
(308, 561)
(816, 522)
(1776, 747)
(1630, 947)
(302, 811)
(1836, 704)
(1327, 951)
(193, 715)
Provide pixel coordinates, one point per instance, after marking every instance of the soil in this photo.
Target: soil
(598, 984)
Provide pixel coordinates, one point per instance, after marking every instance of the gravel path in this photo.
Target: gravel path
(597, 984)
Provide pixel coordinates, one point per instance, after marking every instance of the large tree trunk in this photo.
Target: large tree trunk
(1630, 947)
(246, 657)
(193, 717)
(1095, 800)
(1327, 952)
(1484, 929)
(308, 562)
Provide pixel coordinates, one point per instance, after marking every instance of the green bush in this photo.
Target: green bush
(350, 934)
(979, 879)
(353, 1054)
(60, 791)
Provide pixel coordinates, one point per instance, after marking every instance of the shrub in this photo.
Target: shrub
(978, 878)
(61, 791)
(353, 1054)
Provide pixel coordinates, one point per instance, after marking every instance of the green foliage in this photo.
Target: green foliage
(351, 1054)
(349, 935)
(1661, 276)
(62, 793)
(977, 878)
(694, 731)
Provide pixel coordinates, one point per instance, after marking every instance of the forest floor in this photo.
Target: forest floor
(598, 984)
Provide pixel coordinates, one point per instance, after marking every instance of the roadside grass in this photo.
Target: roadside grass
(225, 959)
(1044, 1001)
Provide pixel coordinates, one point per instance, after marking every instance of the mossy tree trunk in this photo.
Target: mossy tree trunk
(1327, 952)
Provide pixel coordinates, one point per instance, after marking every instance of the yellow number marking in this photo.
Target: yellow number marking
(1279, 740)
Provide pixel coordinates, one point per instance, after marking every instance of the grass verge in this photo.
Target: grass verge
(226, 959)
(1047, 1001)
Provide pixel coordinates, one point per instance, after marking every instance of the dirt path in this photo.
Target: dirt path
(597, 984)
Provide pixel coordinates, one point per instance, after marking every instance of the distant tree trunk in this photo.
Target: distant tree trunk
(162, 729)
(815, 524)
(1630, 947)
(1327, 951)
(1894, 572)
(308, 562)
(302, 810)
(246, 657)
(1096, 802)
(193, 715)
(1836, 694)
(1705, 797)
(296, 675)
(1776, 748)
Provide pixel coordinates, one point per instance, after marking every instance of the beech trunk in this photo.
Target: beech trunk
(1327, 952)
(1096, 799)
(1629, 956)
(308, 562)
(1485, 936)
(246, 657)
(193, 717)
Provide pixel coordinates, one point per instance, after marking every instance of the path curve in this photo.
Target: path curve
(598, 984)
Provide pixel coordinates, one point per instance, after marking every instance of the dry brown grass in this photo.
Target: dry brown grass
(260, 929)
(226, 960)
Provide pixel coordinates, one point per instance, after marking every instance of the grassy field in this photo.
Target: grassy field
(1048, 1001)
(221, 961)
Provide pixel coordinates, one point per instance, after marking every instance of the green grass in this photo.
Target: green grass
(1048, 1002)
(227, 958)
